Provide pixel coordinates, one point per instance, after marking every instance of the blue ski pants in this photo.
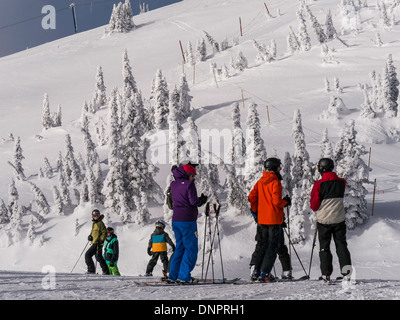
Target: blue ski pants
(185, 255)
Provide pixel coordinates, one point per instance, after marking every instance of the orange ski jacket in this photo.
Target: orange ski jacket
(266, 199)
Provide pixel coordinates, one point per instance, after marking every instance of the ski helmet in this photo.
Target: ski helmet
(95, 212)
(325, 165)
(272, 164)
(110, 230)
(160, 224)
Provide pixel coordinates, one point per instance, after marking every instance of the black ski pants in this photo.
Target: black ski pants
(338, 232)
(153, 261)
(282, 251)
(97, 251)
(270, 238)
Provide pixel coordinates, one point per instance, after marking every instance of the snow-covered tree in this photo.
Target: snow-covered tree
(142, 214)
(185, 99)
(330, 29)
(121, 17)
(31, 235)
(58, 202)
(237, 149)
(130, 87)
(236, 196)
(4, 213)
(71, 168)
(303, 36)
(47, 122)
(302, 171)
(351, 167)
(255, 149)
(296, 217)
(326, 149)
(190, 55)
(161, 99)
(99, 96)
(286, 174)
(214, 44)
(241, 62)
(201, 50)
(40, 200)
(293, 43)
(321, 36)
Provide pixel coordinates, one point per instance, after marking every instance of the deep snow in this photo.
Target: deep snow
(65, 69)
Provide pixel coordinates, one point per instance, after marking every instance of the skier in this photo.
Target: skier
(282, 252)
(111, 252)
(184, 222)
(96, 237)
(327, 201)
(266, 202)
(157, 248)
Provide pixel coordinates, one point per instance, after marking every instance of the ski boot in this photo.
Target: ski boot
(266, 277)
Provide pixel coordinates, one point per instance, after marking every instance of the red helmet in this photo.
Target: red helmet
(189, 169)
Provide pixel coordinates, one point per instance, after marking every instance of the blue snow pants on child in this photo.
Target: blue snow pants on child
(185, 255)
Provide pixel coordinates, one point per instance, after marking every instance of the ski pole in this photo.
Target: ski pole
(288, 234)
(312, 252)
(291, 243)
(207, 213)
(210, 256)
(80, 256)
(216, 210)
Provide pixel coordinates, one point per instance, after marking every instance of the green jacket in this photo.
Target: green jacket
(99, 231)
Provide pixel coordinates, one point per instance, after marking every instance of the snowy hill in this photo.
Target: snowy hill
(66, 71)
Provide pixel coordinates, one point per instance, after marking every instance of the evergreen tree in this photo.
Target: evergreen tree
(389, 105)
(17, 159)
(286, 174)
(47, 122)
(201, 50)
(4, 214)
(175, 128)
(330, 29)
(296, 217)
(41, 201)
(99, 97)
(393, 83)
(293, 43)
(48, 170)
(304, 38)
(237, 151)
(190, 56)
(326, 149)
(16, 222)
(236, 196)
(351, 167)
(241, 62)
(13, 195)
(71, 167)
(130, 87)
(185, 98)
(302, 172)
(59, 205)
(321, 36)
(255, 149)
(161, 97)
(64, 190)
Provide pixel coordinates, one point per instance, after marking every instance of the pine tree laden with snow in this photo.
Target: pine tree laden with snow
(255, 149)
(351, 167)
(99, 97)
(47, 122)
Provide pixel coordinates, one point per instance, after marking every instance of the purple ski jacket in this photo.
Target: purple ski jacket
(184, 197)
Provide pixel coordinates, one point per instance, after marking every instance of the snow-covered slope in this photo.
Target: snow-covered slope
(66, 69)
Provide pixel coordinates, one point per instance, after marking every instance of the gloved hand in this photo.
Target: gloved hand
(288, 200)
(90, 238)
(203, 199)
(284, 225)
(254, 214)
(149, 251)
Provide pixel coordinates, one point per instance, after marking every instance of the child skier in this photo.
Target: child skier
(111, 252)
(158, 248)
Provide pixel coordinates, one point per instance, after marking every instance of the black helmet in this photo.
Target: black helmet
(272, 164)
(110, 230)
(95, 212)
(325, 165)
